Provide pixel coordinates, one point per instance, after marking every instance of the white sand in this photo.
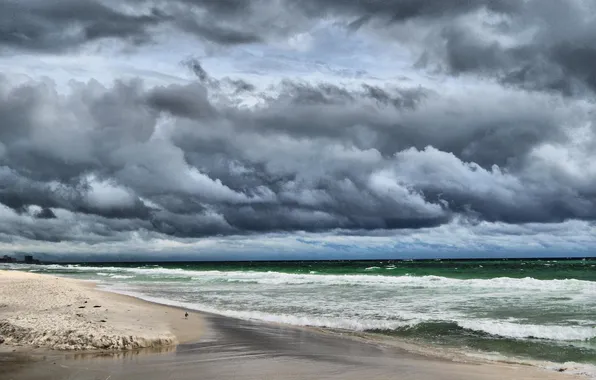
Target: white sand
(58, 313)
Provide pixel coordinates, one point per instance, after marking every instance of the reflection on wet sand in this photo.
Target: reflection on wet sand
(236, 349)
(121, 355)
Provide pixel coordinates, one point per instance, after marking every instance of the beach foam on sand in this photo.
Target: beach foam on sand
(65, 314)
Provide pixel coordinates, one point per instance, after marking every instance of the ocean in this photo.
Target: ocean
(524, 310)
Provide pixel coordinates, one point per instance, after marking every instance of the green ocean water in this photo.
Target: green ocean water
(523, 309)
(580, 269)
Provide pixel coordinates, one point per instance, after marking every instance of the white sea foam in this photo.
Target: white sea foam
(571, 368)
(517, 330)
(581, 369)
(338, 323)
(277, 278)
(494, 327)
(119, 276)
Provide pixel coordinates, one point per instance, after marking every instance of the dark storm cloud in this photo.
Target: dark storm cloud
(550, 43)
(46, 213)
(187, 101)
(187, 161)
(104, 163)
(552, 47)
(195, 66)
(63, 24)
(217, 34)
(402, 10)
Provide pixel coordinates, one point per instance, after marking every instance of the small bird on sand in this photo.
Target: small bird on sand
(185, 315)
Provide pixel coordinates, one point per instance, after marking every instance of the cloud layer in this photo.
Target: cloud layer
(503, 133)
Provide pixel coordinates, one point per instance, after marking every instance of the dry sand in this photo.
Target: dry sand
(38, 307)
(65, 314)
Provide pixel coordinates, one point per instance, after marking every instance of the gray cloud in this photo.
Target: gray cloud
(65, 24)
(543, 45)
(403, 10)
(103, 163)
(39, 26)
(187, 161)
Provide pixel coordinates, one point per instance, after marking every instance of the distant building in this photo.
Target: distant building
(30, 260)
(7, 259)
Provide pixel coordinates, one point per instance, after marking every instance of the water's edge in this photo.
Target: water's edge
(539, 311)
(411, 346)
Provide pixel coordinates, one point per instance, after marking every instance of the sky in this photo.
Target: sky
(292, 129)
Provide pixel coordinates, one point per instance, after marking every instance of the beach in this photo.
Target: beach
(56, 313)
(216, 347)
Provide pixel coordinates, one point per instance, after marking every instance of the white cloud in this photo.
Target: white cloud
(103, 194)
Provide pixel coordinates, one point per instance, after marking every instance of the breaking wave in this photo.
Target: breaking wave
(420, 328)
(279, 278)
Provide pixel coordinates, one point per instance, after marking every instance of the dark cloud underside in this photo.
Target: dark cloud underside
(187, 160)
(554, 48)
(170, 160)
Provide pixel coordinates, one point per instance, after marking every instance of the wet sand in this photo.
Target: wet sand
(236, 349)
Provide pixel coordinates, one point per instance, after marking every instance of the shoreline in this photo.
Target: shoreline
(234, 349)
(409, 346)
(225, 337)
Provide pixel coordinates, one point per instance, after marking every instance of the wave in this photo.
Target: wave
(431, 282)
(295, 320)
(486, 327)
(281, 278)
(578, 289)
(516, 330)
(493, 330)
